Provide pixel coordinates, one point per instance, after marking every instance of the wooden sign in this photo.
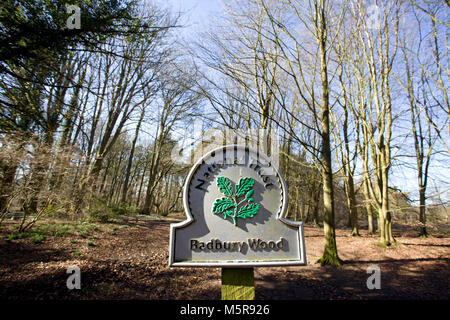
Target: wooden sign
(235, 201)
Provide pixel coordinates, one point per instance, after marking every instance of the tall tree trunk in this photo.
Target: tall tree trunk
(154, 165)
(141, 183)
(422, 215)
(316, 212)
(369, 208)
(349, 185)
(130, 158)
(330, 254)
(351, 202)
(6, 184)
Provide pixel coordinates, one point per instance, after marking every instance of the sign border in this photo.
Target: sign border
(236, 263)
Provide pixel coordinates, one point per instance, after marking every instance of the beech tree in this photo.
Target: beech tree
(316, 23)
(379, 46)
(424, 103)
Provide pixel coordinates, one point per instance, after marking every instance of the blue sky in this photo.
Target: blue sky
(197, 13)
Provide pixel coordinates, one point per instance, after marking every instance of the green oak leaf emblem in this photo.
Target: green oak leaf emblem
(238, 203)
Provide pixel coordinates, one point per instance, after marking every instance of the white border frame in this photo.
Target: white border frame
(236, 263)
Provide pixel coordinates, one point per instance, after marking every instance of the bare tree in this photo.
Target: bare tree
(179, 99)
(379, 45)
(422, 101)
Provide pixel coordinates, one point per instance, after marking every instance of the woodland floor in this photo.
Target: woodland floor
(129, 261)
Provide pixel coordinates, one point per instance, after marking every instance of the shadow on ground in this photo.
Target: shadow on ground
(399, 279)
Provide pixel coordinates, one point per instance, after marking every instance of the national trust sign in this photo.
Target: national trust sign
(235, 201)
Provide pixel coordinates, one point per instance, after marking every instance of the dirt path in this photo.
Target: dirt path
(130, 262)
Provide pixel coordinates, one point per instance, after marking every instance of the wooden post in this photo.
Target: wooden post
(238, 284)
